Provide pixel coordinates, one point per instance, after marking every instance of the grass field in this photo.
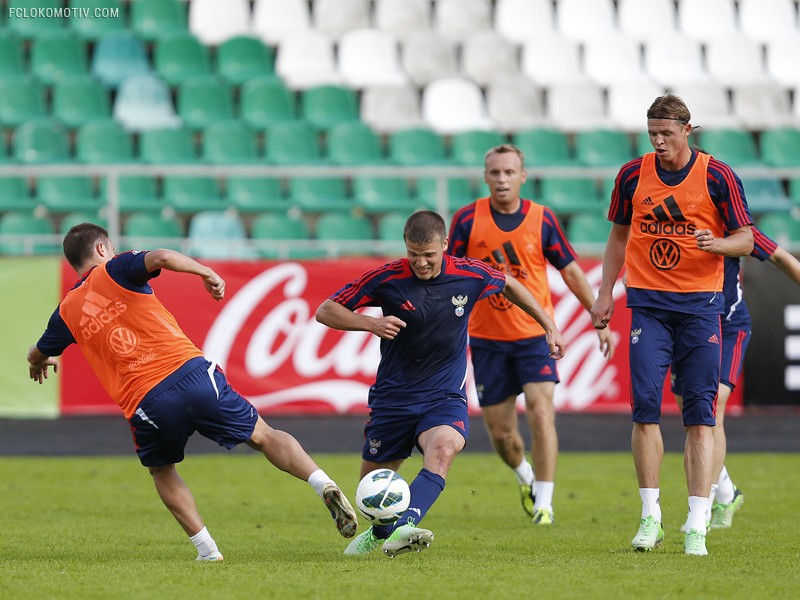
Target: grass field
(94, 528)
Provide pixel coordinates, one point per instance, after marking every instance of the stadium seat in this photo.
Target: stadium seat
(765, 195)
(118, 56)
(144, 102)
(781, 66)
(353, 143)
(255, 194)
(327, 105)
(151, 19)
(784, 229)
(215, 234)
(577, 107)
(241, 59)
(514, 103)
(417, 147)
(271, 231)
(794, 191)
(707, 20)
(146, 230)
(69, 220)
(135, 193)
(214, 22)
(180, 56)
(521, 20)
(735, 60)
(627, 102)
(583, 20)
(457, 19)
(781, 147)
(229, 143)
(603, 148)
(306, 59)
(382, 194)
(266, 100)
(452, 105)
(643, 146)
(67, 194)
(277, 20)
(570, 196)
(203, 100)
(23, 100)
(80, 100)
(647, 20)
(389, 108)
(588, 228)
(390, 233)
(673, 58)
(402, 17)
(25, 26)
(319, 194)
(369, 57)
(552, 59)
(337, 17)
(459, 193)
(25, 224)
(335, 227)
(544, 147)
(762, 106)
(58, 55)
(767, 20)
(427, 57)
(167, 146)
(41, 141)
(15, 195)
(709, 104)
(103, 142)
(292, 143)
(469, 147)
(486, 55)
(96, 27)
(613, 59)
(737, 147)
(11, 56)
(192, 194)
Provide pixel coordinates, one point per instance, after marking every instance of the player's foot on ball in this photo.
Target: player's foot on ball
(363, 543)
(341, 511)
(405, 539)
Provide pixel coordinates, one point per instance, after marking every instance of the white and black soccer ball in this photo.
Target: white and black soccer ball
(383, 496)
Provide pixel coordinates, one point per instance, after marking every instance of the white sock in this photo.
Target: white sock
(725, 487)
(204, 543)
(651, 505)
(524, 473)
(698, 505)
(711, 497)
(544, 495)
(318, 479)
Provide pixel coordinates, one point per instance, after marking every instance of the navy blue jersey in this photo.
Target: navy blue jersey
(736, 313)
(427, 360)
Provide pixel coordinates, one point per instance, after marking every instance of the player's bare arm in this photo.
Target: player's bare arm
(334, 315)
(180, 263)
(786, 263)
(576, 281)
(613, 260)
(738, 243)
(519, 295)
(38, 364)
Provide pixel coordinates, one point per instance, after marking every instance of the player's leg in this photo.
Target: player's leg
(544, 439)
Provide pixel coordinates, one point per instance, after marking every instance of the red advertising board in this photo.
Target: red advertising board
(265, 337)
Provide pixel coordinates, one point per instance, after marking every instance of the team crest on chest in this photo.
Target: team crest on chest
(459, 302)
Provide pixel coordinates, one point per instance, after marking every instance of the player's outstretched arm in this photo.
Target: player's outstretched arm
(519, 295)
(336, 316)
(180, 263)
(576, 281)
(786, 263)
(613, 260)
(38, 363)
(739, 242)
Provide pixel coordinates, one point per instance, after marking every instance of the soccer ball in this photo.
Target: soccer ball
(383, 496)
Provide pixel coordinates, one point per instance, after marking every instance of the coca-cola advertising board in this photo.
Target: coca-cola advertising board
(264, 336)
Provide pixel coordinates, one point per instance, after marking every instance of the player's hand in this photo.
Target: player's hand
(39, 372)
(215, 286)
(601, 312)
(705, 240)
(607, 342)
(387, 328)
(558, 347)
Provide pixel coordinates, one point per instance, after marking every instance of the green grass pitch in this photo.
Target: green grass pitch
(87, 528)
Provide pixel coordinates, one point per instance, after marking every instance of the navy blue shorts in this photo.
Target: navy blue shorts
(690, 342)
(734, 345)
(501, 373)
(202, 401)
(391, 433)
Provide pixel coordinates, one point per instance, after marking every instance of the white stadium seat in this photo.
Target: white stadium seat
(585, 19)
(335, 17)
(615, 58)
(486, 55)
(427, 56)
(522, 20)
(782, 57)
(647, 20)
(552, 59)
(455, 19)
(674, 59)
(369, 57)
(389, 108)
(761, 107)
(707, 19)
(275, 20)
(306, 59)
(577, 107)
(628, 104)
(213, 22)
(401, 17)
(767, 20)
(736, 60)
(514, 103)
(709, 104)
(453, 105)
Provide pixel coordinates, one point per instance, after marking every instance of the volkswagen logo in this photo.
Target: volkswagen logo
(665, 254)
(123, 341)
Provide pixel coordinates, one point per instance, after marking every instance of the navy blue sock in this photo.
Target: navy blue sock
(425, 489)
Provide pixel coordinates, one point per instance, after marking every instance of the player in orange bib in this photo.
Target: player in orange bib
(670, 210)
(165, 387)
(509, 350)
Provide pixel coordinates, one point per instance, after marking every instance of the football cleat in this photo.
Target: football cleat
(214, 556)
(543, 516)
(341, 511)
(405, 539)
(695, 543)
(363, 543)
(528, 498)
(649, 536)
(722, 514)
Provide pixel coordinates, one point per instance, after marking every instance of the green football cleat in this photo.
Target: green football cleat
(695, 543)
(528, 499)
(543, 516)
(405, 539)
(341, 511)
(362, 544)
(649, 536)
(722, 514)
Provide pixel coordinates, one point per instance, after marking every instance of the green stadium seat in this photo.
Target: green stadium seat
(417, 147)
(203, 100)
(192, 194)
(79, 100)
(167, 146)
(151, 19)
(784, 229)
(95, 27)
(229, 142)
(271, 231)
(61, 194)
(265, 101)
(292, 143)
(144, 230)
(28, 27)
(144, 102)
(781, 147)
(794, 190)
(181, 56)
(568, 196)
(242, 58)
(460, 193)
(326, 105)
(23, 100)
(255, 194)
(138, 193)
(342, 227)
(104, 142)
(41, 141)
(765, 195)
(643, 145)
(57, 56)
(76, 218)
(390, 233)
(469, 147)
(383, 194)
(353, 143)
(736, 147)
(117, 56)
(15, 195)
(30, 226)
(603, 148)
(11, 56)
(218, 235)
(588, 228)
(316, 195)
(544, 147)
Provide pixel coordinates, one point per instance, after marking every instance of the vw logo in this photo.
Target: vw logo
(123, 341)
(665, 254)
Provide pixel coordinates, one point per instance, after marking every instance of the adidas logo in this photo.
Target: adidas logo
(98, 311)
(407, 305)
(459, 424)
(666, 219)
(647, 201)
(482, 244)
(546, 370)
(713, 339)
